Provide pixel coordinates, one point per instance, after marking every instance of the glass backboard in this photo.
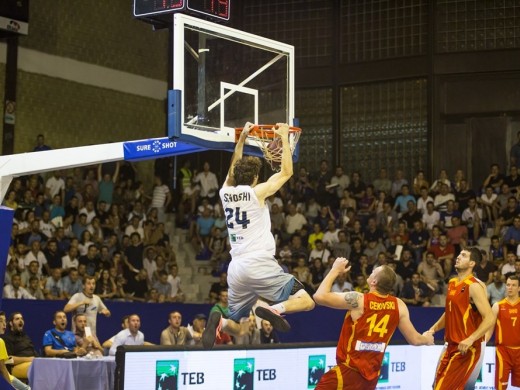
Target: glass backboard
(224, 78)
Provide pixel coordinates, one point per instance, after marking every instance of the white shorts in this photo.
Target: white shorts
(253, 278)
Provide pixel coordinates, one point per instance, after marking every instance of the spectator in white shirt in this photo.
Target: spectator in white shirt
(129, 336)
(15, 291)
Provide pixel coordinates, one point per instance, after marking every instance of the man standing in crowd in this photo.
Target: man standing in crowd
(86, 302)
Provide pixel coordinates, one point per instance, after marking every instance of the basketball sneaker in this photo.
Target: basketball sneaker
(275, 318)
(212, 330)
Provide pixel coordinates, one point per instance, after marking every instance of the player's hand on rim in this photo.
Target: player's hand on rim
(282, 129)
(247, 128)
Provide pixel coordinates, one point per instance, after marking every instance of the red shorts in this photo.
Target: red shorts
(455, 370)
(345, 378)
(506, 362)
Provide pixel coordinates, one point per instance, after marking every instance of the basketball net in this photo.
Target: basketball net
(270, 143)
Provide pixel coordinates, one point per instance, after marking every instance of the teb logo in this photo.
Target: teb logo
(385, 369)
(243, 374)
(315, 369)
(166, 374)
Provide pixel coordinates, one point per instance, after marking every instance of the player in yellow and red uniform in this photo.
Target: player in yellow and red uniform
(367, 328)
(507, 336)
(467, 318)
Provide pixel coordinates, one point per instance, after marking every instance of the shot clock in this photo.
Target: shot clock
(211, 9)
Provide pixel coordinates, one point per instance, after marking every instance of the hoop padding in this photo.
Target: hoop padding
(265, 138)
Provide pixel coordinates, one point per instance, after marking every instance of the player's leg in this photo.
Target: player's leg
(462, 371)
(342, 377)
(293, 298)
(503, 367)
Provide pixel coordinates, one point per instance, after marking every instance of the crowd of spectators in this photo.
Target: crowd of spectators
(100, 221)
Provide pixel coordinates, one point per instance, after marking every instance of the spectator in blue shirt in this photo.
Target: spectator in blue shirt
(59, 341)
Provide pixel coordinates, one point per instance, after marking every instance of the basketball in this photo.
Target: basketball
(275, 146)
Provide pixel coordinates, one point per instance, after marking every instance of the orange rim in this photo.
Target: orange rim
(264, 131)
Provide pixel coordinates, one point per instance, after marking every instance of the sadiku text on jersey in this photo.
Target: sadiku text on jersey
(382, 305)
(243, 196)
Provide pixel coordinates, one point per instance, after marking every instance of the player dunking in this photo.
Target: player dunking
(507, 336)
(254, 272)
(367, 328)
(467, 318)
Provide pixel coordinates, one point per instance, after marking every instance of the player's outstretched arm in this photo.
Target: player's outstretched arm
(350, 300)
(276, 181)
(237, 154)
(494, 310)
(439, 325)
(478, 295)
(408, 330)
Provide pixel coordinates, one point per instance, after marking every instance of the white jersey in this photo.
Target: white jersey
(248, 222)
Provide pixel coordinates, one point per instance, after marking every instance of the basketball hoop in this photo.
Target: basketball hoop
(265, 138)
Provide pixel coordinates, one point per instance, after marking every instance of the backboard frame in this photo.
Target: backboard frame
(223, 138)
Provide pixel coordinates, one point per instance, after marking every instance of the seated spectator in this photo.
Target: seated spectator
(494, 179)
(252, 337)
(342, 247)
(511, 239)
(59, 341)
(458, 234)
(464, 194)
(296, 247)
(136, 286)
(70, 260)
(19, 346)
(72, 283)
(15, 291)
(320, 252)
(418, 241)
(401, 203)
(430, 216)
(30, 271)
(509, 265)
(294, 220)
(484, 270)
(361, 285)
(216, 287)
(496, 251)
(35, 254)
(124, 325)
(4, 357)
(442, 198)
(488, 201)
(54, 286)
(317, 272)
(176, 294)
(84, 338)
(129, 336)
(302, 272)
(331, 235)
(163, 287)
(407, 266)
(34, 288)
(373, 249)
(267, 333)
(506, 217)
(415, 292)
(105, 286)
(444, 252)
(153, 296)
(423, 200)
(341, 284)
(52, 254)
(175, 334)
(472, 217)
(496, 291)
(411, 215)
(198, 326)
(387, 219)
(448, 214)
(431, 273)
